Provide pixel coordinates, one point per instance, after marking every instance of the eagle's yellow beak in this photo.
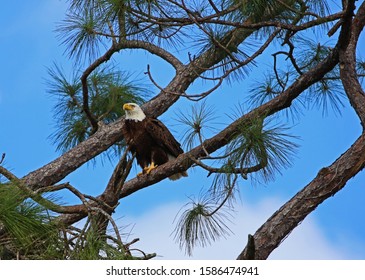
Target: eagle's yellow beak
(127, 107)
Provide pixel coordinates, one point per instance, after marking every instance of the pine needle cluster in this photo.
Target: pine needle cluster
(108, 89)
(26, 228)
(259, 150)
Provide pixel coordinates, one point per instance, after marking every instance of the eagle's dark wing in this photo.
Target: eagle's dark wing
(163, 137)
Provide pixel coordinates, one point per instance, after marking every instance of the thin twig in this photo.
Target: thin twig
(2, 158)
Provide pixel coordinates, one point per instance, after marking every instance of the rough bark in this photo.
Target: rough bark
(327, 183)
(347, 55)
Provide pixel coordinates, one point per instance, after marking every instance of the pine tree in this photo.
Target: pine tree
(213, 42)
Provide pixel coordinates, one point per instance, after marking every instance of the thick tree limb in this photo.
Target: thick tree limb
(348, 73)
(153, 49)
(327, 183)
(58, 169)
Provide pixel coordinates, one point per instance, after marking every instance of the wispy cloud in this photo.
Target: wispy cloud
(306, 242)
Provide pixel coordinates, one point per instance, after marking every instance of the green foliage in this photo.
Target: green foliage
(90, 23)
(261, 147)
(29, 231)
(360, 67)
(261, 10)
(198, 226)
(146, 28)
(197, 122)
(92, 246)
(313, 52)
(263, 91)
(258, 10)
(327, 93)
(270, 87)
(77, 32)
(318, 6)
(26, 227)
(109, 89)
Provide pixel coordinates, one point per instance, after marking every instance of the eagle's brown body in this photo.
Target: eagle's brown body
(150, 140)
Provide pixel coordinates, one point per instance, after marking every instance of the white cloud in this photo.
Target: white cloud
(306, 242)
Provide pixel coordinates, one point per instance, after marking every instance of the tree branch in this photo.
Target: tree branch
(85, 89)
(48, 204)
(153, 49)
(347, 53)
(327, 183)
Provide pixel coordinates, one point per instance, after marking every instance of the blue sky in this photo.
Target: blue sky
(336, 230)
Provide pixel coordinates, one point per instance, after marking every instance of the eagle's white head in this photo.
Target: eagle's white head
(133, 112)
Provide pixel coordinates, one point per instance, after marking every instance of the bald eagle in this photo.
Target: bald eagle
(150, 139)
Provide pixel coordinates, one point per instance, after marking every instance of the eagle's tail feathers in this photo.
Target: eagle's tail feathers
(178, 176)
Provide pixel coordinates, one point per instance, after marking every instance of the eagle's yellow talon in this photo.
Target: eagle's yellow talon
(148, 169)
